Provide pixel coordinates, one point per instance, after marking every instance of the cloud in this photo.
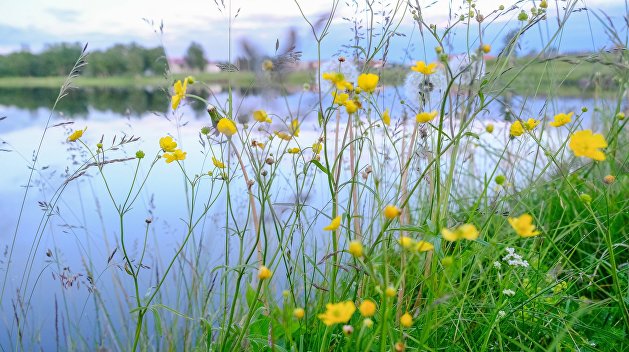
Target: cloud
(64, 15)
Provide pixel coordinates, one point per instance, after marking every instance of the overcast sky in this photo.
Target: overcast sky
(33, 23)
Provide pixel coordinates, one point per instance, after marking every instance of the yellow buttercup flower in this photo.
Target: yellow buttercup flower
(486, 48)
(260, 116)
(406, 320)
(299, 313)
(390, 291)
(167, 144)
(406, 242)
(294, 128)
(489, 128)
(177, 154)
(587, 144)
(337, 313)
(465, 231)
(350, 106)
(386, 118)
(316, 148)
(421, 67)
(293, 150)
(180, 93)
(226, 127)
(219, 164)
(367, 308)
(561, 119)
(339, 98)
(516, 129)
(337, 79)
(523, 225)
(76, 135)
(424, 246)
(368, 82)
(264, 273)
(530, 124)
(283, 135)
(391, 211)
(424, 117)
(334, 224)
(355, 249)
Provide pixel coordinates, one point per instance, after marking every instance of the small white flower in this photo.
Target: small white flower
(508, 292)
(502, 314)
(497, 265)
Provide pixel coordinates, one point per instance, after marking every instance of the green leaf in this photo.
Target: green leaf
(320, 166)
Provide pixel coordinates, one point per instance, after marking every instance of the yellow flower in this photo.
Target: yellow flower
(180, 93)
(226, 127)
(294, 128)
(260, 115)
(76, 135)
(561, 119)
(167, 144)
(267, 65)
(367, 308)
(486, 48)
(264, 273)
(386, 118)
(356, 249)
(339, 98)
(219, 164)
(350, 106)
(424, 246)
(424, 117)
(489, 128)
(337, 79)
(406, 242)
(587, 144)
(391, 211)
(299, 313)
(421, 67)
(530, 124)
(368, 82)
(336, 222)
(406, 320)
(516, 129)
(177, 154)
(390, 291)
(337, 313)
(293, 150)
(316, 148)
(523, 225)
(465, 231)
(283, 135)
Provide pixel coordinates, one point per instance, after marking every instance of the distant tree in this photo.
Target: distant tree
(195, 57)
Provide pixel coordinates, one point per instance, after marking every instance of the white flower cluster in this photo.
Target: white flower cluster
(508, 292)
(514, 259)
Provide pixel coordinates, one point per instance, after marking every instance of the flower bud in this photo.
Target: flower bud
(139, 154)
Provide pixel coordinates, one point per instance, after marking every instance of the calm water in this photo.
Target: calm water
(83, 227)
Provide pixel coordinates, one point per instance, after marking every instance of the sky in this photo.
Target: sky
(31, 24)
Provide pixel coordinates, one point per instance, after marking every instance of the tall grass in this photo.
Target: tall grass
(410, 201)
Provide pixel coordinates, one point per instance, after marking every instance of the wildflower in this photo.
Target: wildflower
(293, 150)
(561, 119)
(424, 246)
(339, 98)
(543, 4)
(587, 144)
(167, 144)
(523, 225)
(219, 164)
(486, 48)
(139, 154)
(267, 65)
(406, 242)
(609, 179)
(177, 154)
(406, 320)
(299, 313)
(421, 67)
(226, 127)
(386, 118)
(260, 115)
(338, 79)
(264, 273)
(368, 82)
(180, 93)
(294, 128)
(508, 292)
(390, 291)
(350, 106)
(523, 16)
(500, 179)
(514, 259)
(465, 231)
(497, 264)
(367, 308)
(391, 211)
(337, 313)
(424, 117)
(336, 222)
(316, 148)
(489, 128)
(348, 330)
(367, 323)
(356, 249)
(530, 124)
(76, 135)
(399, 346)
(501, 313)
(205, 130)
(283, 135)
(516, 129)
(586, 198)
